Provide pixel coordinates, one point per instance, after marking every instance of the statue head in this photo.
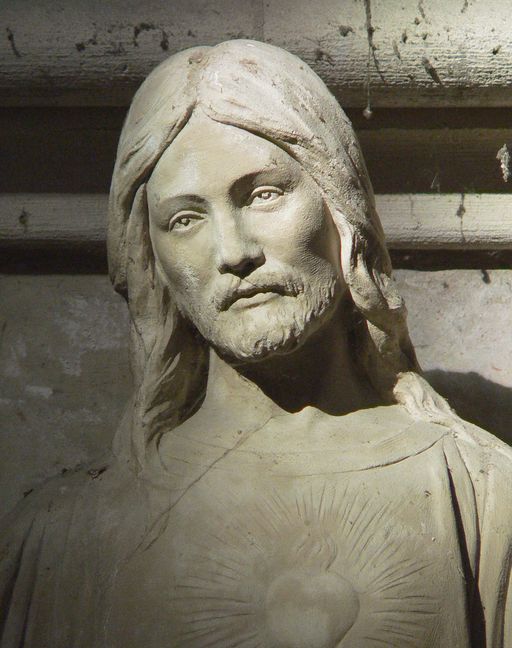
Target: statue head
(244, 241)
(249, 133)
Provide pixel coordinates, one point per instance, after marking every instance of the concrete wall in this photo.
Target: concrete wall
(64, 374)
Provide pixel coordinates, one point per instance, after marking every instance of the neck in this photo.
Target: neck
(320, 374)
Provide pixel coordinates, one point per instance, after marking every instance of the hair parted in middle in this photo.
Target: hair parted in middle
(274, 95)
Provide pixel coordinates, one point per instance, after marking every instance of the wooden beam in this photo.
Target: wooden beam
(428, 53)
(52, 220)
(72, 150)
(411, 221)
(447, 221)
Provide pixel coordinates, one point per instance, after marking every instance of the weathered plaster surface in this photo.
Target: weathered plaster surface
(64, 375)
(430, 52)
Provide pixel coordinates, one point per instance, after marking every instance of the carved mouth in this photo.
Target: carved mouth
(253, 296)
(254, 299)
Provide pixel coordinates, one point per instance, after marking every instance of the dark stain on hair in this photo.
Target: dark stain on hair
(196, 57)
(250, 65)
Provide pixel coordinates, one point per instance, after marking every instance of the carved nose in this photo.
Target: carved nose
(241, 267)
(236, 254)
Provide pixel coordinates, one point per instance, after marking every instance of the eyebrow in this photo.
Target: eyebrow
(183, 199)
(280, 172)
(235, 190)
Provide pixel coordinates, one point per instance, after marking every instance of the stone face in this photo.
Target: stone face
(283, 475)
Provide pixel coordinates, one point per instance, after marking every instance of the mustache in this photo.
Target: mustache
(286, 286)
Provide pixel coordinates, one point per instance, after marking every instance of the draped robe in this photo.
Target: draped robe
(373, 530)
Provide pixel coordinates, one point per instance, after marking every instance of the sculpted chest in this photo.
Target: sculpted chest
(323, 561)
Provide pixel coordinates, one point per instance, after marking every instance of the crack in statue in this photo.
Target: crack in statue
(283, 476)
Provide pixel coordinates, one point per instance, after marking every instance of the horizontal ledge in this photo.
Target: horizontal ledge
(410, 221)
(82, 52)
(406, 151)
(446, 221)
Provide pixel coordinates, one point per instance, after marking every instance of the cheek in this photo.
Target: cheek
(182, 270)
(306, 232)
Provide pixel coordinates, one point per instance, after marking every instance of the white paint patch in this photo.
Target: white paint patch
(503, 156)
(37, 390)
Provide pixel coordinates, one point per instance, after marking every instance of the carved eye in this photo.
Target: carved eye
(183, 221)
(263, 195)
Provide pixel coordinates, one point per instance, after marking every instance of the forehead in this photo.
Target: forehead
(207, 155)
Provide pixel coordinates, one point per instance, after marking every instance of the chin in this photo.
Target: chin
(257, 349)
(266, 332)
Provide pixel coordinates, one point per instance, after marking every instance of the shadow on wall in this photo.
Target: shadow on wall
(477, 400)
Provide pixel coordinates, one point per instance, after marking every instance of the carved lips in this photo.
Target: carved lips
(254, 299)
(253, 296)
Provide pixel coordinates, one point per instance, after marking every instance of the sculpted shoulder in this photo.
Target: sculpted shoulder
(73, 497)
(44, 500)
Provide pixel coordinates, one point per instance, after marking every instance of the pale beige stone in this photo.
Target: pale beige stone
(283, 475)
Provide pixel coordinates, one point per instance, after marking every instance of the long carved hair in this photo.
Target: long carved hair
(274, 95)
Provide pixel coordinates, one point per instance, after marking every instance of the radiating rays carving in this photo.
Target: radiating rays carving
(322, 568)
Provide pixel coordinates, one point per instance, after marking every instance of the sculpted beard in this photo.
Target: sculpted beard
(282, 325)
